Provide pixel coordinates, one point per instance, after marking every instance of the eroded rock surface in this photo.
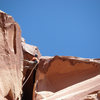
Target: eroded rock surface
(11, 66)
(28, 52)
(56, 78)
(66, 78)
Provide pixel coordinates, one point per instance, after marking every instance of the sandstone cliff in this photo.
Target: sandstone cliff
(10, 56)
(28, 52)
(55, 78)
(67, 78)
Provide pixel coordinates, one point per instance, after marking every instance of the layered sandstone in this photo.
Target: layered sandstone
(66, 78)
(11, 65)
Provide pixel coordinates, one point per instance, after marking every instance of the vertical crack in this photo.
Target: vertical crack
(14, 40)
(28, 87)
(2, 25)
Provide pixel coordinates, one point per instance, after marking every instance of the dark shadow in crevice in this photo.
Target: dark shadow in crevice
(9, 96)
(14, 40)
(28, 87)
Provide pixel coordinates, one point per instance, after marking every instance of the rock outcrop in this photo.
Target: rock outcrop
(28, 53)
(66, 78)
(55, 78)
(11, 66)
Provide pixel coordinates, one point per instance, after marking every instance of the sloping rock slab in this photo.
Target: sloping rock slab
(66, 78)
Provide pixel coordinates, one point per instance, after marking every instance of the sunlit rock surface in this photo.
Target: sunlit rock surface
(28, 53)
(66, 78)
(55, 78)
(11, 66)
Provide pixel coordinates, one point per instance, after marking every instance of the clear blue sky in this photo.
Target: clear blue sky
(58, 27)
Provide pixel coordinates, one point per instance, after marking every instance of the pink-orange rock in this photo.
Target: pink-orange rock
(89, 98)
(98, 95)
(28, 52)
(66, 78)
(57, 78)
(11, 65)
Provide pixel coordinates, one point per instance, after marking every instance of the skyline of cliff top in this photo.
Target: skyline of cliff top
(58, 27)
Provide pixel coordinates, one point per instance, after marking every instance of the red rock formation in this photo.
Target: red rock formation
(10, 56)
(29, 51)
(66, 78)
(57, 78)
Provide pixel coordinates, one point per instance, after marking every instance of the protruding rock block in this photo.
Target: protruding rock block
(29, 52)
(98, 95)
(68, 78)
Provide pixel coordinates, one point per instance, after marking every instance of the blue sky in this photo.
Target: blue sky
(58, 27)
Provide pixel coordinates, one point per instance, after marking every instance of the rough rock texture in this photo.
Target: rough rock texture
(28, 51)
(10, 56)
(55, 78)
(66, 78)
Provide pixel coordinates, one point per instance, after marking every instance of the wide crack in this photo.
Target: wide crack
(28, 87)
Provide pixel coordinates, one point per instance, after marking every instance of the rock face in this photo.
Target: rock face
(55, 78)
(29, 51)
(11, 65)
(66, 78)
